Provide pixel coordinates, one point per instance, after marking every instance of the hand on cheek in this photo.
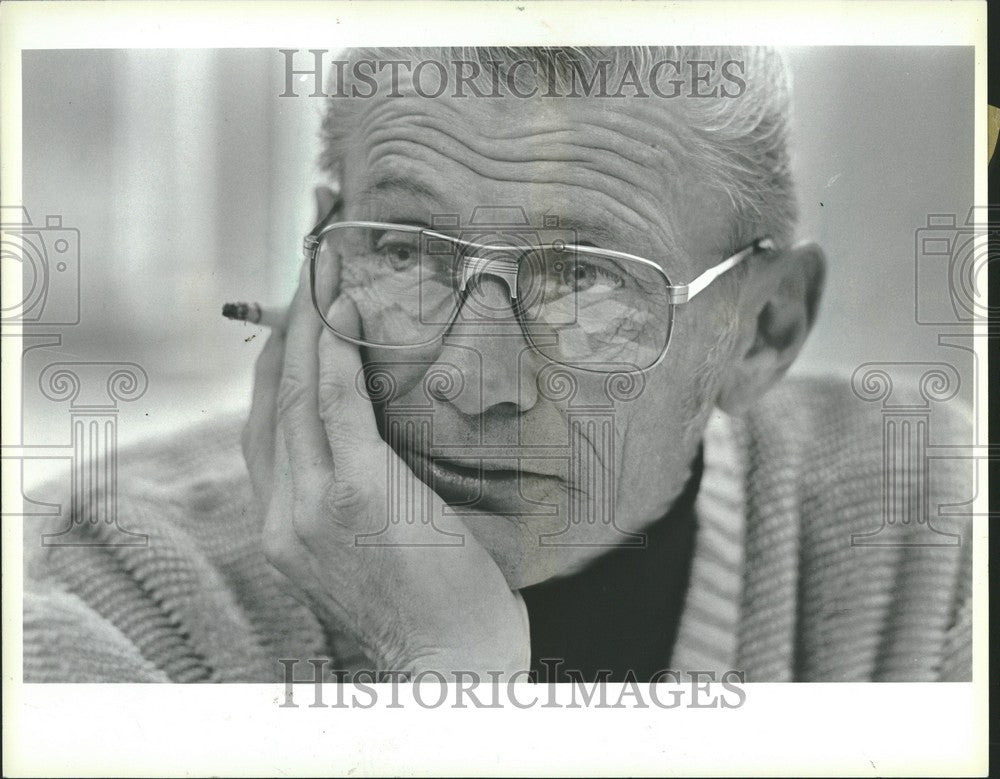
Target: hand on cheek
(364, 558)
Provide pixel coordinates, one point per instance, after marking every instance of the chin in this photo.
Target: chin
(520, 516)
(531, 551)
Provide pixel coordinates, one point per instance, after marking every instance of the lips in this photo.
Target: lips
(482, 486)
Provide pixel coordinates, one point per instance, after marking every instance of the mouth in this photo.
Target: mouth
(482, 485)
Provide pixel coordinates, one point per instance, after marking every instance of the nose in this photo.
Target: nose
(486, 345)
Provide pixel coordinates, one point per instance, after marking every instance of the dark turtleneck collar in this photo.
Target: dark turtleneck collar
(621, 612)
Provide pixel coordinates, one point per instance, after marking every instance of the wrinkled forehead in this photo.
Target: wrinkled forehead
(652, 130)
(619, 166)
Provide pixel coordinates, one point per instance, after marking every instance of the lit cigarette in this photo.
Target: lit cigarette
(255, 314)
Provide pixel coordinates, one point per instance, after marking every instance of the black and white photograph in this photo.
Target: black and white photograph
(588, 365)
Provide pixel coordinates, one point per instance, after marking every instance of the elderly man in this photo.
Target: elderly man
(526, 411)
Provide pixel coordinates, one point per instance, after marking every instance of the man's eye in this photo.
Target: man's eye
(399, 254)
(582, 276)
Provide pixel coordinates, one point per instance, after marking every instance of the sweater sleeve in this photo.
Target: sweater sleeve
(67, 641)
(175, 588)
(866, 560)
(954, 487)
(956, 665)
(956, 655)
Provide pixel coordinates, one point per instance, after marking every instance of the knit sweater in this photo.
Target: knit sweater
(778, 590)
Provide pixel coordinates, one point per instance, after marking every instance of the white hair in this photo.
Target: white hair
(739, 144)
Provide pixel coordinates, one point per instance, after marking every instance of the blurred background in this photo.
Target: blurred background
(189, 181)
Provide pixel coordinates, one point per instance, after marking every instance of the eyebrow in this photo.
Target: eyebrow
(392, 182)
(602, 236)
(597, 234)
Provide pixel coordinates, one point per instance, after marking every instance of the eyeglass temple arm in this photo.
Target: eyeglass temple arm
(311, 241)
(683, 293)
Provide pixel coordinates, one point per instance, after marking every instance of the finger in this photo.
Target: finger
(298, 406)
(289, 558)
(345, 407)
(259, 433)
(281, 545)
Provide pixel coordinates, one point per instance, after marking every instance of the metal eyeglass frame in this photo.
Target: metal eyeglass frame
(677, 294)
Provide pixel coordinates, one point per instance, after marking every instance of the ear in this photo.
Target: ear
(325, 197)
(778, 306)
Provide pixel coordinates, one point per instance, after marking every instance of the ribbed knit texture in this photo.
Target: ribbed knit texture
(777, 589)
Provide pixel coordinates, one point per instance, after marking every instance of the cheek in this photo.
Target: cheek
(659, 440)
(654, 426)
(391, 379)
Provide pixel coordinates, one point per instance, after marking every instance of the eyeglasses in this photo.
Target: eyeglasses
(588, 308)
